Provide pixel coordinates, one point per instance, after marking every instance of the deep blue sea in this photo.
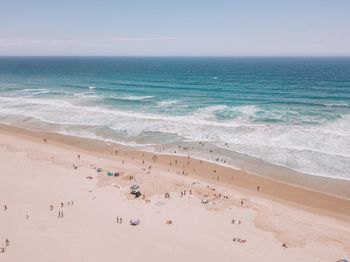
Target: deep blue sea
(292, 112)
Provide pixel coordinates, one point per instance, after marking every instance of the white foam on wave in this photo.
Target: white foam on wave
(52, 109)
(130, 97)
(167, 103)
(248, 109)
(229, 115)
(336, 105)
(209, 112)
(88, 95)
(14, 101)
(92, 87)
(31, 92)
(16, 105)
(243, 109)
(314, 149)
(32, 89)
(41, 92)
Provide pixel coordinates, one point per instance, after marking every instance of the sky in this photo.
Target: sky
(175, 28)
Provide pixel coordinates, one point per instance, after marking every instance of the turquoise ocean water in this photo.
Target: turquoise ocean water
(292, 112)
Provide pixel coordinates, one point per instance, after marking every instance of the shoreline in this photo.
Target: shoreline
(311, 199)
(255, 166)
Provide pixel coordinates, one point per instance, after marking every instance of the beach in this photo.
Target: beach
(173, 131)
(56, 206)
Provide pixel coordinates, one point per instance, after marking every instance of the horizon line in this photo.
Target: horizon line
(185, 56)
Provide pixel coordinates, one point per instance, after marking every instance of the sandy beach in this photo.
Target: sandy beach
(174, 131)
(56, 206)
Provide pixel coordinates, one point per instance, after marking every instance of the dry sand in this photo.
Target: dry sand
(35, 174)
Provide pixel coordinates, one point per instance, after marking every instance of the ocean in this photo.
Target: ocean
(289, 112)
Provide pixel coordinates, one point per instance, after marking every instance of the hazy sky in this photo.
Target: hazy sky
(176, 27)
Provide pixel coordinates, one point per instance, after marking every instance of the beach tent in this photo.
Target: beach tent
(205, 201)
(134, 222)
(135, 190)
(134, 187)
